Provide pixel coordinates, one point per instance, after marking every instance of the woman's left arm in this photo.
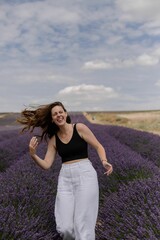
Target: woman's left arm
(90, 138)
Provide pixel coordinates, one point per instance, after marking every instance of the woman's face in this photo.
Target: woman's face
(58, 115)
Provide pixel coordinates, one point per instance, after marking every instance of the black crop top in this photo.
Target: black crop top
(76, 148)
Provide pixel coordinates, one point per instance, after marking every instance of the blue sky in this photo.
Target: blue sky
(91, 55)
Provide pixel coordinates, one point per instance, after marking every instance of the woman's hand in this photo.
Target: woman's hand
(108, 167)
(33, 146)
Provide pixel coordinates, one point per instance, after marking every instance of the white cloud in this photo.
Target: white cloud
(139, 10)
(83, 96)
(147, 60)
(157, 83)
(157, 52)
(142, 12)
(88, 91)
(142, 60)
(97, 65)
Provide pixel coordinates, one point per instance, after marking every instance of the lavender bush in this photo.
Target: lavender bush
(129, 198)
(11, 148)
(8, 134)
(133, 212)
(147, 144)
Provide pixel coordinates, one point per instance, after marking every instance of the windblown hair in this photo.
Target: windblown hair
(41, 118)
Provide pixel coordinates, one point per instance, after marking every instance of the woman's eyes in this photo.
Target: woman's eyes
(57, 113)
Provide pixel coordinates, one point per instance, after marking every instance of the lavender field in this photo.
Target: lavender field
(129, 198)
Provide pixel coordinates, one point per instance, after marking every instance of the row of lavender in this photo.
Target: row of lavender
(130, 206)
(129, 198)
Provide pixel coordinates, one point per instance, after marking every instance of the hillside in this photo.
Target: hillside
(8, 120)
(141, 120)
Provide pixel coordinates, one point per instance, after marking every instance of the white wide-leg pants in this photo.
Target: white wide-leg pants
(77, 201)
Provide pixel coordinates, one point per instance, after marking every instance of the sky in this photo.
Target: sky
(92, 55)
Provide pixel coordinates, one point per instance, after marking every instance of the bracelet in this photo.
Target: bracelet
(104, 160)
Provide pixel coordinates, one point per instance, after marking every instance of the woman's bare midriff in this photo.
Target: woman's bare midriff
(73, 161)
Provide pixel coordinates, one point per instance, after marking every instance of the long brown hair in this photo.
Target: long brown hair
(41, 117)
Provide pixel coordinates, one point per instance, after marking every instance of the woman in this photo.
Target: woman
(77, 198)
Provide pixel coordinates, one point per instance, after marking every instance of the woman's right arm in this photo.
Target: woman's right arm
(50, 154)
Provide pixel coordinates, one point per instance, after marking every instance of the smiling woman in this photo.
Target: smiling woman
(77, 199)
